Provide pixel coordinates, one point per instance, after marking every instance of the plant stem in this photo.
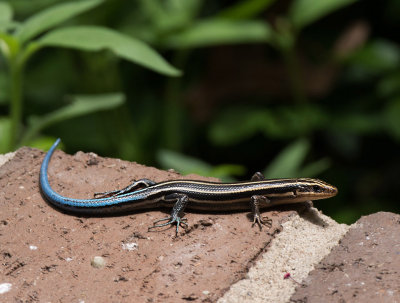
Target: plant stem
(16, 102)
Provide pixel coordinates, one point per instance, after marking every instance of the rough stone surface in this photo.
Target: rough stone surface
(364, 267)
(301, 244)
(46, 254)
(4, 158)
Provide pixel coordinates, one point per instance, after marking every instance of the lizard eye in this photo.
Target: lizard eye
(317, 189)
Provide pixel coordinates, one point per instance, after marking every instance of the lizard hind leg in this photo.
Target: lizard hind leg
(136, 185)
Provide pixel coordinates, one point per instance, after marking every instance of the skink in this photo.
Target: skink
(197, 195)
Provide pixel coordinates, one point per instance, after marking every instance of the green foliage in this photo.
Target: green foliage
(170, 15)
(213, 31)
(237, 123)
(333, 109)
(18, 46)
(44, 142)
(392, 118)
(6, 15)
(190, 165)
(49, 18)
(375, 58)
(305, 12)
(3, 88)
(246, 9)
(288, 163)
(389, 85)
(94, 38)
(79, 106)
(5, 127)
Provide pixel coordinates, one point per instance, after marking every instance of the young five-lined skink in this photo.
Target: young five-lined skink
(197, 195)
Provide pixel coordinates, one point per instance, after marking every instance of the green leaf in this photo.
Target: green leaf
(9, 46)
(190, 165)
(4, 87)
(287, 163)
(389, 85)
(25, 8)
(5, 129)
(6, 15)
(357, 123)
(81, 105)
(315, 168)
(93, 38)
(305, 12)
(225, 171)
(246, 9)
(391, 115)
(237, 124)
(53, 16)
(184, 164)
(169, 15)
(44, 143)
(220, 31)
(375, 58)
(347, 214)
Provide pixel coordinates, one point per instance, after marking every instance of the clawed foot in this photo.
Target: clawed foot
(171, 220)
(262, 221)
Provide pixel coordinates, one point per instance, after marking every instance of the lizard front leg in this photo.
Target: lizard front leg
(177, 210)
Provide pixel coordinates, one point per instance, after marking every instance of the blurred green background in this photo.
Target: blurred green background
(219, 88)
